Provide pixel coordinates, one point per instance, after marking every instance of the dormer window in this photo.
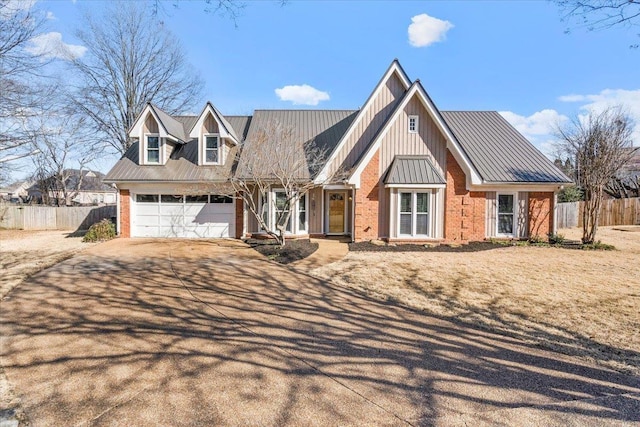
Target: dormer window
(152, 149)
(212, 152)
(413, 124)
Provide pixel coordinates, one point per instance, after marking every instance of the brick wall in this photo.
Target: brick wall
(540, 214)
(125, 214)
(464, 213)
(367, 201)
(239, 216)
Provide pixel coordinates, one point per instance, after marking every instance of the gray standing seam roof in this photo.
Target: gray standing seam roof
(413, 170)
(498, 151)
(318, 128)
(173, 127)
(183, 163)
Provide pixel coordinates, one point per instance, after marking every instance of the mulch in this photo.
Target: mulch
(293, 250)
(470, 247)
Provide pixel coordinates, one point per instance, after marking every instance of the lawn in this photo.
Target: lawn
(23, 253)
(584, 303)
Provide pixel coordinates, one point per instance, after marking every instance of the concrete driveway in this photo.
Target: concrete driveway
(203, 333)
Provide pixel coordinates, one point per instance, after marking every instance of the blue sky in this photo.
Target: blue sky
(513, 57)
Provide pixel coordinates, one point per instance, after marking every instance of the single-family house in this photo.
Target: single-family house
(16, 192)
(397, 169)
(85, 187)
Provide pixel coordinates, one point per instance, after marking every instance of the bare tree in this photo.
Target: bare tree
(601, 14)
(21, 94)
(63, 153)
(274, 157)
(600, 144)
(131, 59)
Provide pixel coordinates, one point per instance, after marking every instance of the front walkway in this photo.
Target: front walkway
(329, 250)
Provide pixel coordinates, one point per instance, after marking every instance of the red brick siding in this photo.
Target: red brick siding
(464, 214)
(367, 201)
(540, 214)
(239, 216)
(125, 214)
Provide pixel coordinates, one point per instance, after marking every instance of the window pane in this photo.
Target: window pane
(422, 202)
(302, 203)
(405, 223)
(505, 223)
(405, 202)
(422, 224)
(212, 142)
(153, 156)
(167, 198)
(505, 203)
(147, 198)
(212, 155)
(197, 199)
(153, 142)
(216, 198)
(281, 200)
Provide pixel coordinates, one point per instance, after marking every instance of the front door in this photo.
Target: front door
(337, 212)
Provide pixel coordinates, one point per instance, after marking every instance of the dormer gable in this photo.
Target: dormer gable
(215, 136)
(158, 134)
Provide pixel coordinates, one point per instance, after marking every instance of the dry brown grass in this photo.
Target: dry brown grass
(584, 303)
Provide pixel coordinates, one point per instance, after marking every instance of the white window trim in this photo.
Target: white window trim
(295, 223)
(204, 149)
(145, 149)
(417, 121)
(414, 214)
(515, 213)
(306, 214)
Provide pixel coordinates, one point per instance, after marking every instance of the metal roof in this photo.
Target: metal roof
(413, 170)
(498, 151)
(182, 166)
(321, 129)
(170, 124)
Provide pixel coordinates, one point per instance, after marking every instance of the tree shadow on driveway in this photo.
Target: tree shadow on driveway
(201, 333)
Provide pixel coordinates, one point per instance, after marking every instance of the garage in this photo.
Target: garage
(189, 216)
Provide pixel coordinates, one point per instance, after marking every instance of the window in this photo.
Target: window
(414, 214)
(506, 214)
(413, 124)
(212, 149)
(147, 198)
(216, 198)
(168, 198)
(153, 149)
(282, 208)
(302, 213)
(197, 199)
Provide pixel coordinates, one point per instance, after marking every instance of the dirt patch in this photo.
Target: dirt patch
(584, 303)
(294, 250)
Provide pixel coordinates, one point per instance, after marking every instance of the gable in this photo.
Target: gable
(369, 120)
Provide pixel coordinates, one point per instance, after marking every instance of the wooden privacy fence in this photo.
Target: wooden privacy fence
(612, 212)
(53, 218)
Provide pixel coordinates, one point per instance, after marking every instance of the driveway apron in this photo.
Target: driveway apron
(171, 332)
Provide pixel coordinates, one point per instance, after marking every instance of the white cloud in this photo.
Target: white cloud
(425, 30)
(51, 16)
(50, 45)
(628, 99)
(538, 127)
(302, 94)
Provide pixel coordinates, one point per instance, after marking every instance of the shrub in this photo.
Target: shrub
(598, 246)
(536, 240)
(100, 231)
(556, 239)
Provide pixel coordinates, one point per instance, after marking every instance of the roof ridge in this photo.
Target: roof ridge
(469, 111)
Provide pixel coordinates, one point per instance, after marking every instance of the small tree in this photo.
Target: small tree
(600, 144)
(275, 158)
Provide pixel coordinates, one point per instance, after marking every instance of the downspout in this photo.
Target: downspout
(353, 214)
(117, 209)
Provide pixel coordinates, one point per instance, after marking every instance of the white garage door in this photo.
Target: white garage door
(167, 215)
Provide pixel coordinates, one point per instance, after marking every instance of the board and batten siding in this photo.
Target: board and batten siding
(428, 141)
(492, 214)
(368, 124)
(314, 205)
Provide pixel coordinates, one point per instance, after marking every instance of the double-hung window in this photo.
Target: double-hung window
(212, 149)
(506, 214)
(282, 209)
(152, 148)
(414, 214)
(302, 214)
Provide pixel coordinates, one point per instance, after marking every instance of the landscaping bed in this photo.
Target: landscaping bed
(293, 250)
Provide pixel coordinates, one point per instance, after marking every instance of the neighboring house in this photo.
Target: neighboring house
(91, 190)
(404, 170)
(16, 192)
